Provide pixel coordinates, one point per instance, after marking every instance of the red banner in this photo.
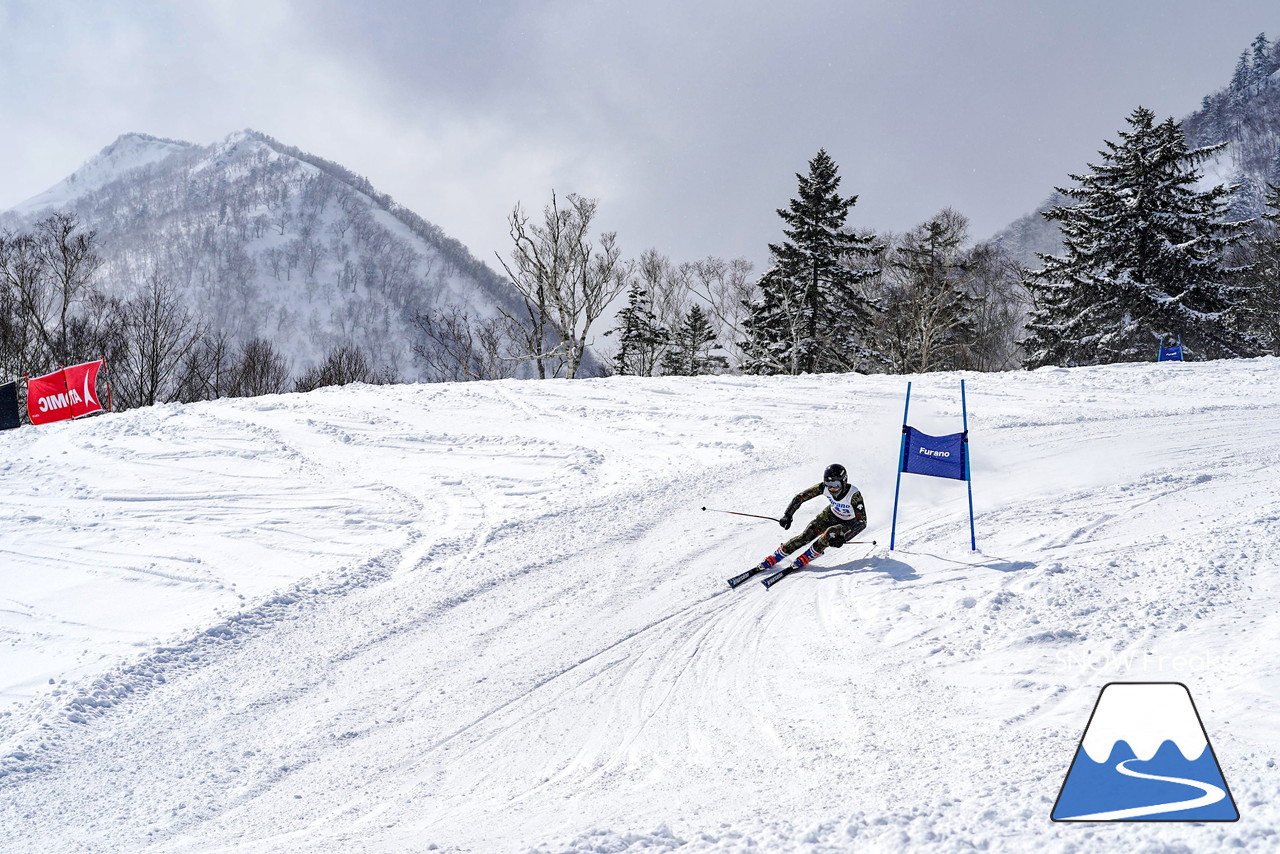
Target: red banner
(68, 393)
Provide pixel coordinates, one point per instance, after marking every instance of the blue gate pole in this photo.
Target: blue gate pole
(902, 451)
(964, 414)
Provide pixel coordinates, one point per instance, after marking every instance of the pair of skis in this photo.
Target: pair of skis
(770, 580)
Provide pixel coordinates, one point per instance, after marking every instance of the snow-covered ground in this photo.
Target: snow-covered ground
(492, 616)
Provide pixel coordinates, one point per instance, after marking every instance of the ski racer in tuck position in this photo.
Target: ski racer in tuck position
(840, 521)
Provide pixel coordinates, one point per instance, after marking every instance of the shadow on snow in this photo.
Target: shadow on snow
(895, 569)
(901, 571)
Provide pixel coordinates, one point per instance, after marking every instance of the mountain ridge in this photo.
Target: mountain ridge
(125, 154)
(266, 240)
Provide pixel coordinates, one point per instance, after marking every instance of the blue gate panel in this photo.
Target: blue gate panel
(936, 456)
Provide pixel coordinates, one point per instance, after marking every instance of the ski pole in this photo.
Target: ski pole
(736, 513)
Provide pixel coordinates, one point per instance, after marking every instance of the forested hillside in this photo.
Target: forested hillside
(261, 241)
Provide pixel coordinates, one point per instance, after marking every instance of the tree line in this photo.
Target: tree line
(832, 299)
(1150, 257)
(264, 241)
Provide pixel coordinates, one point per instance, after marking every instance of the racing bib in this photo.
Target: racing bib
(848, 508)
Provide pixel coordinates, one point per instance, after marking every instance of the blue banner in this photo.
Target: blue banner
(1170, 354)
(936, 456)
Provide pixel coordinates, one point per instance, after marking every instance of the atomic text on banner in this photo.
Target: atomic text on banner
(66, 393)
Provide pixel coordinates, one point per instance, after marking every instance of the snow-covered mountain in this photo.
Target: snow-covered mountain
(493, 616)
(266, 240)
(129, 153)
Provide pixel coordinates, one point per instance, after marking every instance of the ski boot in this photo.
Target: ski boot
(803, 560)
(772, 560)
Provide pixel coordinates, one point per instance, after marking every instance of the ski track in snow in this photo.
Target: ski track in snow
(491, 616)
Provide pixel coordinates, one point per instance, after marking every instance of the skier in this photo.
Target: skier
(843, 519)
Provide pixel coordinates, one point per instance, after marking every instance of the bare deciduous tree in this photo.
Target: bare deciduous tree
(260, 370)
(159, 333)
(342, 365)
(46, 273)
(457, 347)
(208, 371)
(668, 286)
(565, 279)
(17, 339)
(728, 290)
(67, 254)
(999, 311)
(27, 291)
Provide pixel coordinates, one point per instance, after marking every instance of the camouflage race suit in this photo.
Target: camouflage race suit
(826, 523)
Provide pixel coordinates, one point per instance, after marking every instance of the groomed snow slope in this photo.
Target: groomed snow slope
(492, 616)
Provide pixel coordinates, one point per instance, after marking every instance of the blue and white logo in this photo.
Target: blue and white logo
(1145, 756)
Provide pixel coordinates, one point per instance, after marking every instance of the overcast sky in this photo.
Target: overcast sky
(688, 120)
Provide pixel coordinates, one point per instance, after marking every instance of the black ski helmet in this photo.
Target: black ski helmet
(835, 474)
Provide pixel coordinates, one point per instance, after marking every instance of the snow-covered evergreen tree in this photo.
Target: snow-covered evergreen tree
(1241, 82)
(1143, 258)
(1263, 300)
(691, 345)
(640, 336)
(1260, 65)
(811, 317)
(1245, 113)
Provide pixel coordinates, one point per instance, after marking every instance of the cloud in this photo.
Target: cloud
(687, 120)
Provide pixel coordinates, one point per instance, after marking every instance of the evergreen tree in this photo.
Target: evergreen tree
(772, 325)
(1260, 66)
(810, 317)
(691, 344)
(640, 337)
(1241, 78)
(1143, 258)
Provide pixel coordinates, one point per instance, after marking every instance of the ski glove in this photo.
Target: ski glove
(836, 539)
(785, 521)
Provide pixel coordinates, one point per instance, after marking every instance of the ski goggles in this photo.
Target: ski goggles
(834, 484)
